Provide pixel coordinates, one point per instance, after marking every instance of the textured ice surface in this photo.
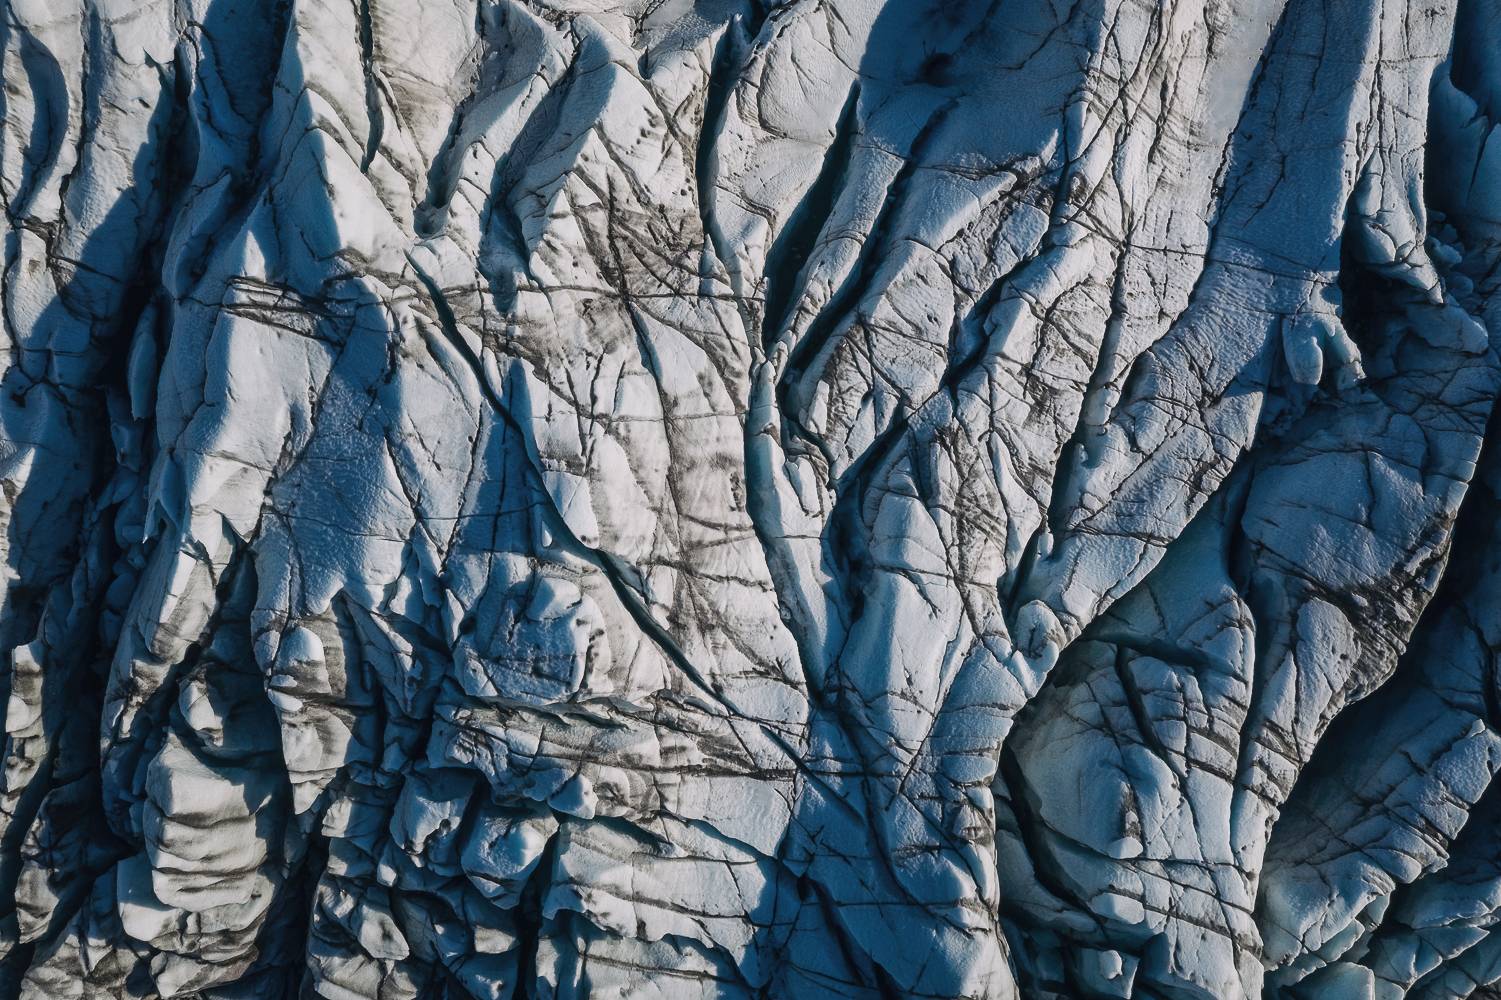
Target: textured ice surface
(721, 498)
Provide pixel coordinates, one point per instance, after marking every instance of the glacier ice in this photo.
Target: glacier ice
(736, 498)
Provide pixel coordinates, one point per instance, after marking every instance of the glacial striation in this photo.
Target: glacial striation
(732, 498)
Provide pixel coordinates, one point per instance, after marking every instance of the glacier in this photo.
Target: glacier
(750, 498)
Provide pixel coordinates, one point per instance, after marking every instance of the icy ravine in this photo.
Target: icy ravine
(681, 498)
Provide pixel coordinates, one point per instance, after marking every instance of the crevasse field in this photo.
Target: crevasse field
(728, 498)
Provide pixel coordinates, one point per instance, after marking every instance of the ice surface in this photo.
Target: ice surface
(733, 498)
